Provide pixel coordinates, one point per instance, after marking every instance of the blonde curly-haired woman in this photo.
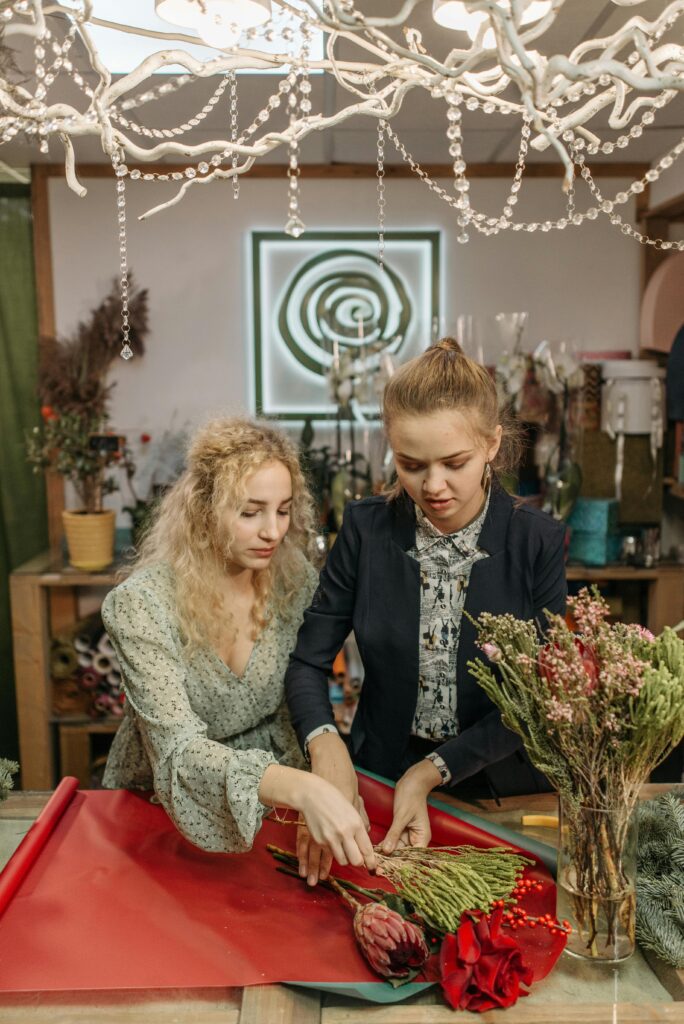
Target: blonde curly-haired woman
(203, 629)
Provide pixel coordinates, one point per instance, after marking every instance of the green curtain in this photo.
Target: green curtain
(23, 519)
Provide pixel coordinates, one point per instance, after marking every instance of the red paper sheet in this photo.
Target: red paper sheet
(35, 839)
(118, 899)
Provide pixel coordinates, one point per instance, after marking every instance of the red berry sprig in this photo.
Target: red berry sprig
(516, 917)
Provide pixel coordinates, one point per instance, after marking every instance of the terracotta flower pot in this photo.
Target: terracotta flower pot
(90, 538)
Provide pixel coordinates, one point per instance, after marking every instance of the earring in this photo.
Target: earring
(486, 476)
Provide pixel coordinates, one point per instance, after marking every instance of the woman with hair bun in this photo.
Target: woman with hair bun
(406, 572)
(203, 629)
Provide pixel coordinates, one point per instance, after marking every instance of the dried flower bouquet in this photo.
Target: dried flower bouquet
(597, 710)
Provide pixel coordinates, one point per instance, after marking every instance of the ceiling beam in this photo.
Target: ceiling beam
(475, 170)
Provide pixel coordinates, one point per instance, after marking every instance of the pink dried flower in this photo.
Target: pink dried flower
(391, 945)
(558, 711)
(553, 665)
(493, 652)
(642, 632)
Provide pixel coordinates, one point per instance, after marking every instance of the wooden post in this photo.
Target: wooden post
(32, 680)
(666, 599)
(42, 262)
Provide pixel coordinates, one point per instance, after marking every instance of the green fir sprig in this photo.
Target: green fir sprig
(7, 770)
(660, 877)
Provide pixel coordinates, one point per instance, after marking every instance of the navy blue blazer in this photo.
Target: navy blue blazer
(371, 585)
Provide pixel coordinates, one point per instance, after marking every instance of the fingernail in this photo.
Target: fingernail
(311, 880)
(302, 870)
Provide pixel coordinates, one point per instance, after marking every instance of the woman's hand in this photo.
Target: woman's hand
(330, 760)
(334, 826)
(411, 824)
(335, 829)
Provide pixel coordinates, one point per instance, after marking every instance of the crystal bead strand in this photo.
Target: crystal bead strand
(300, 88)
(41, 91)
(294, 226)
(578, 218)
(234, 129)
(157, 92)
(461, 183)
(380, 174)
(169, 133)
(607, 206)
(496, 224)
(120, 172)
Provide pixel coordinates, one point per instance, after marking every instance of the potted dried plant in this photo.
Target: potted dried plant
(74, 439)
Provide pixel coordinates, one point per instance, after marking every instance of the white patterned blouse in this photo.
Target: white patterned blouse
(193, 731)
(445, 562)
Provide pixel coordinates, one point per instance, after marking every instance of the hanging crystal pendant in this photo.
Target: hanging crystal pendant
(295, 227)
(126, 352)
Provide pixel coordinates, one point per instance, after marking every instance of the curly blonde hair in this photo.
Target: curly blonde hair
(188, 536)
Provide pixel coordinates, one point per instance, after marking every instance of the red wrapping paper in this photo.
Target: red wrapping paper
(31, 846)
(118, 899)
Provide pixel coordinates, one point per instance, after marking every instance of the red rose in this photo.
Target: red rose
(480, 968)
(145, 438)
(48, 413)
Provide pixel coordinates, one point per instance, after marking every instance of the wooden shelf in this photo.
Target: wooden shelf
(663, 570)
(35, 616)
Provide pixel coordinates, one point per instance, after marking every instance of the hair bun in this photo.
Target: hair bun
(449, 345)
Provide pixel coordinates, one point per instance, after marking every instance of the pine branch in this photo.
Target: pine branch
(660, 878)
(7, 770)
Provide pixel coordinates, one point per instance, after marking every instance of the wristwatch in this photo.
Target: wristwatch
(313, 734)
(441, 766)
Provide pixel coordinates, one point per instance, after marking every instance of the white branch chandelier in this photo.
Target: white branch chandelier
(376, 61)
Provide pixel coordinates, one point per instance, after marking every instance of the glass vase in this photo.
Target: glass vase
(597, 880)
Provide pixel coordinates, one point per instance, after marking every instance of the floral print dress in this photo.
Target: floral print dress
(192, 730)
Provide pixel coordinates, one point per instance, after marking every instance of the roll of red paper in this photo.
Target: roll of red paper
(28, 851)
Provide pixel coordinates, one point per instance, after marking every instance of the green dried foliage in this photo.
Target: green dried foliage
(74, 392)
(596, 711)
(660, 877)
(443, 882)
(72, 372)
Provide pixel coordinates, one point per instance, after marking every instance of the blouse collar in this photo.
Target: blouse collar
(464, 540)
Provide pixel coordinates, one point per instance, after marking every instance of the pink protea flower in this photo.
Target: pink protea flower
(390, 944)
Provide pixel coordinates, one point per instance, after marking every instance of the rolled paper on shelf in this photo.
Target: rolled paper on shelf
(102, 663)
(82, 643)
(90, 679)
(104, 646)
(63, 661)
(85, 660)
(103, 703)
(113, 681)
(26, 854)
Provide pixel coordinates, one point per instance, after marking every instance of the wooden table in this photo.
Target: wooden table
(638, 991)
